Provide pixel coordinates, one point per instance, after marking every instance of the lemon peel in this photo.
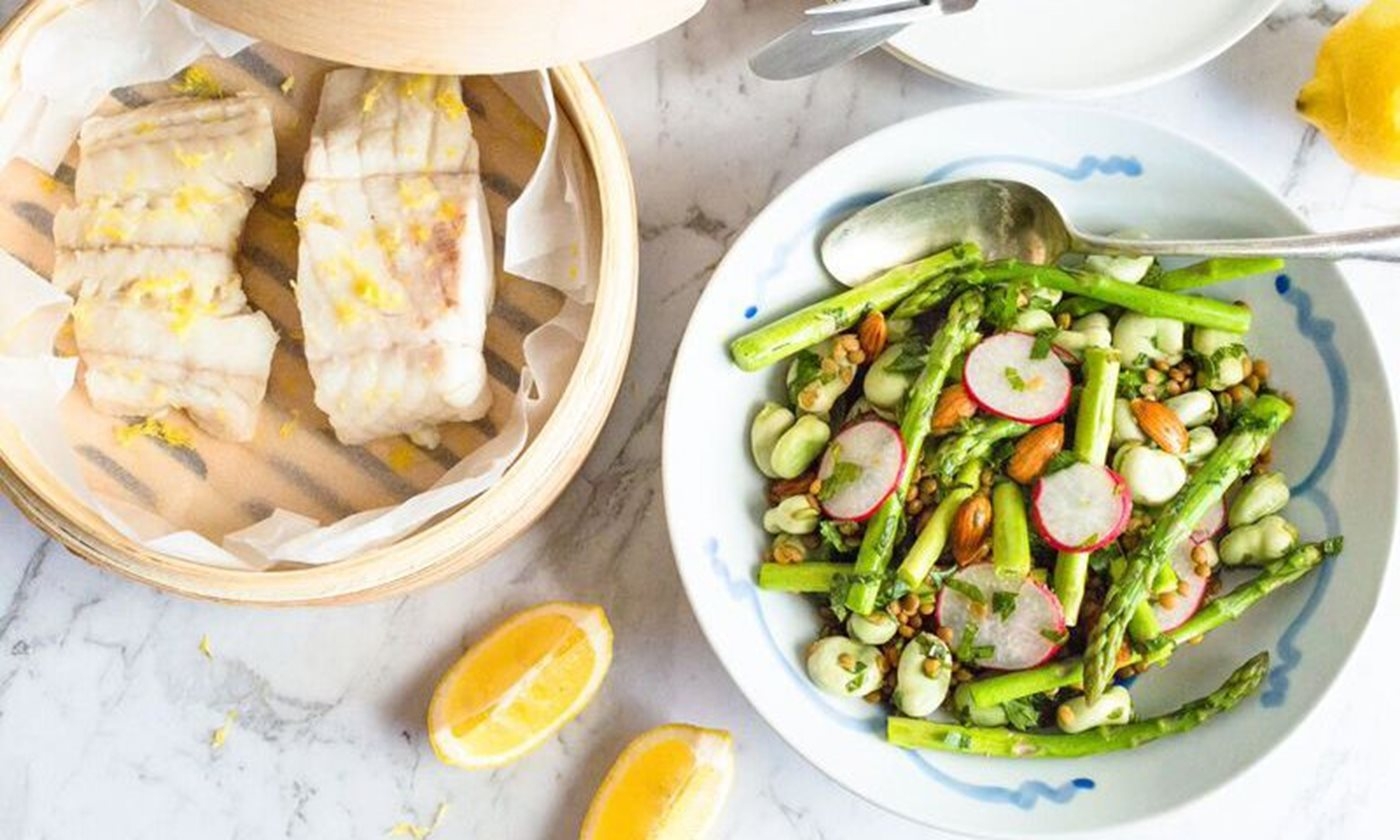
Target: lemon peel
(220, 735)
(419, 832)
(1354, 95)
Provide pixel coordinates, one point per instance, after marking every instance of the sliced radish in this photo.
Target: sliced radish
(1003, 379)
(1211, 524)
(860, 469)
(1082, 507)
(1018, 622)
(1183, 605)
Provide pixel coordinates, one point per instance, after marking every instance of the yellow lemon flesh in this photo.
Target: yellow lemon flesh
(1354, 96)
(515, 688)
(669, 784)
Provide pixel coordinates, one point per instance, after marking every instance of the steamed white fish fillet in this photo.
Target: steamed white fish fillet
(371, 122)
(394, 276)
(161, 320)
(191, 216)
(183, 282)
(177, 142)
(217, 371)
(400, 261)
(407, 389)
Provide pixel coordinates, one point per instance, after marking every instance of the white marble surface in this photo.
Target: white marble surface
(107, 705)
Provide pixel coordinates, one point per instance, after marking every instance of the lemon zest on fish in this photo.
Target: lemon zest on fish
(156, 429)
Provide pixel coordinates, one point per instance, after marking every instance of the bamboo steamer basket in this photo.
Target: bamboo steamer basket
(452, 543)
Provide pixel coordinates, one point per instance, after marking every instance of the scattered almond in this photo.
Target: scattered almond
(873, 333)
(968, 534)
(953, 407)
(1034, 451)
(1161, 425)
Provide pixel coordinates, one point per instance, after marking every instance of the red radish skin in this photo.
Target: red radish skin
(1081, 508)
(1038, 393)
(1183, 606)
(877, 449)
(1211, 524)
(1023, 638)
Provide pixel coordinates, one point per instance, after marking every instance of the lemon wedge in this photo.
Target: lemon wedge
(1354, 96)
(515, 688)
(668, 784)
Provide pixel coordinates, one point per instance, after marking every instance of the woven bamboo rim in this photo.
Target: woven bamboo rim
(463, 539)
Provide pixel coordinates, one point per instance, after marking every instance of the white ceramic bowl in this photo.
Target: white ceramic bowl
(1108, 172)
(1076, 48)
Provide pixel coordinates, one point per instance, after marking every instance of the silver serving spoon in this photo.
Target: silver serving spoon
(1012, 220)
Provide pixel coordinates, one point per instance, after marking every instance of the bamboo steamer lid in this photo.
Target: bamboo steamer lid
(450, 36)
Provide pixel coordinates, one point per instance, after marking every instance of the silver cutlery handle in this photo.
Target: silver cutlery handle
(1378, 243)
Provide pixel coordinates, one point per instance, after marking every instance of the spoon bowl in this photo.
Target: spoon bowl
(1014, 220)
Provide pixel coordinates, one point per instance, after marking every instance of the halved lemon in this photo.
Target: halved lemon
(668, 784)
(515, 688)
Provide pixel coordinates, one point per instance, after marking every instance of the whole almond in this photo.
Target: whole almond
(873, 333)
(953, 406)
(1034, 451)
(968, 533)
(1161, 425)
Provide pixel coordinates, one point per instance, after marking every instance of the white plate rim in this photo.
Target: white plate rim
(1217, 47)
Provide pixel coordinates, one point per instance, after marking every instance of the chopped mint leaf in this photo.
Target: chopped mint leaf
(967, 590)
(843, 474)
(1003, 604)
(1044, 339)
(1013, 377)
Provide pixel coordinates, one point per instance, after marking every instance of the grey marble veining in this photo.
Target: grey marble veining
(107, 705)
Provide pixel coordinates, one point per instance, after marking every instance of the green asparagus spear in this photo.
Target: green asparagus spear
(1011, 542)
(800, 577)
(1093, 428)
(820, 321)
(1191, 309)
(1000, 742)
(1003, 688)
(975, 441)
(883, 528)
(1253, 429)
(1216, 270)
(1078, 307)
(933, 292)
(929, 545)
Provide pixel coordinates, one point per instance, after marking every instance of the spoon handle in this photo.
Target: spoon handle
(1377, 243)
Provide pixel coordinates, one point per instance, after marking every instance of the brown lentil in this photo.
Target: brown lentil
(946, 634)
(1167, 600)
(927, 608)
(906, 632)
(930, 667)
(1261, 369)
(1063, 320)
(846, 661)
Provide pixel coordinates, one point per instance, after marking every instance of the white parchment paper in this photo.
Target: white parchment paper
(67, 69)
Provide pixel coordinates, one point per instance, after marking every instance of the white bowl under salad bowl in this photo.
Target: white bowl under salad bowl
(1108, 172)
(1076, 48)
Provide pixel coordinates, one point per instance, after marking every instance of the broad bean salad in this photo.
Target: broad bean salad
(1007, 486)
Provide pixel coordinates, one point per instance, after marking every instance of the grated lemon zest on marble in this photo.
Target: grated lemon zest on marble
(204, 647)
(449, 102)
(287, 85)
(419, 832)
(145, 127)
(451, 152)
(156, 429)
(420, 232)
(401, 456)
(220, 735)
(47, 184)
(196, 81)
(288, 428)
